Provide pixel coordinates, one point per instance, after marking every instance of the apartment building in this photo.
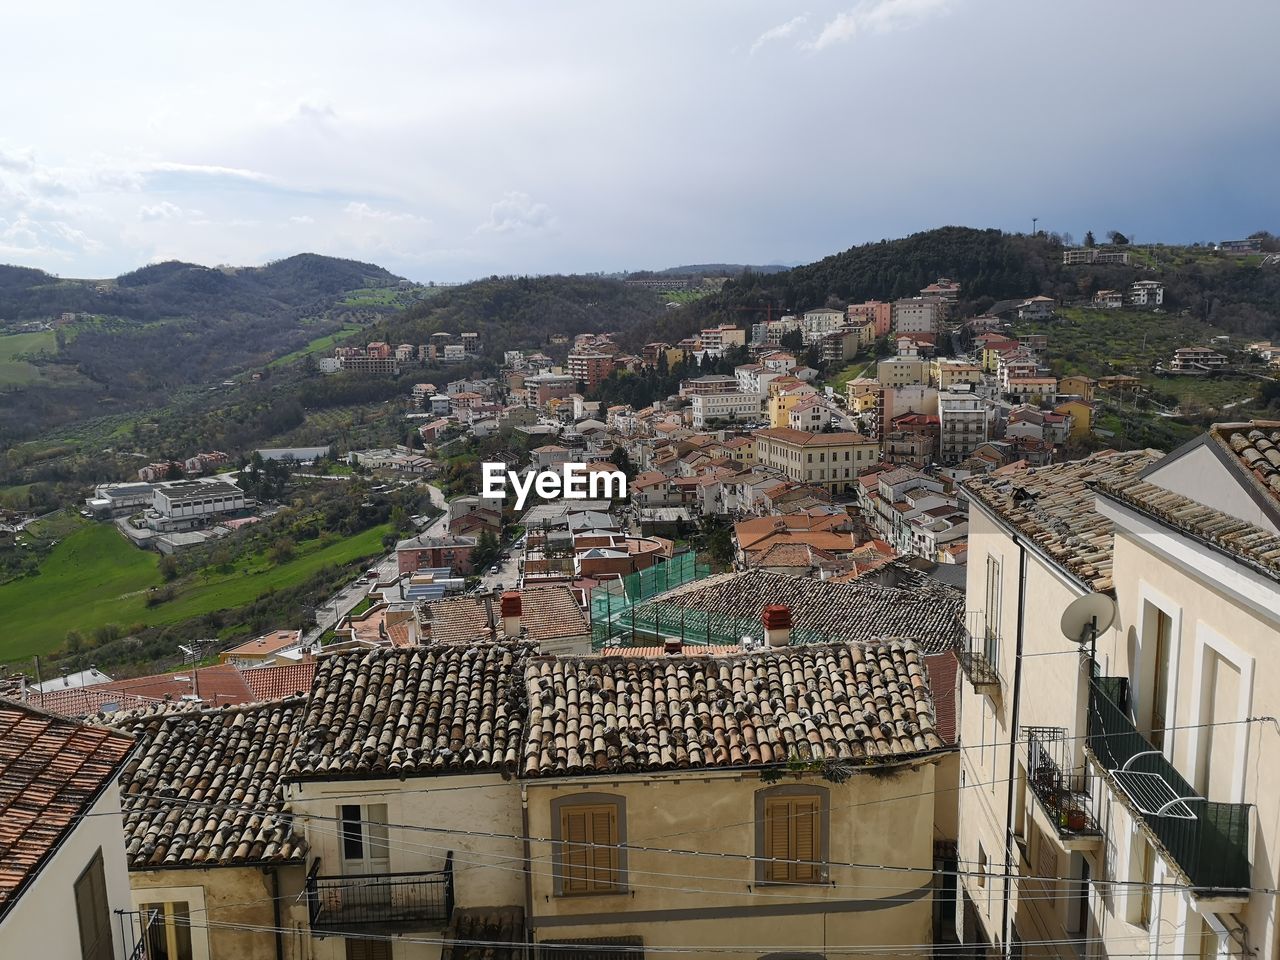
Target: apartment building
(831, 461)
(903, 371)
(919, 315)
(880, 314)
(589, 367)
(964, 420)
(1196, 360)
(1148, 294)
(715, 340)
(542, 388)
(816, 324)
(946, 374)
(1126, 800)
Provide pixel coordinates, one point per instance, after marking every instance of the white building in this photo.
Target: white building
(725, 406)
(919, 315)
(64, 876)
(1147, 293)
(818, 323)
(191, 500)
(964, 419)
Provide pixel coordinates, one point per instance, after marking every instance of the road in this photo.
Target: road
(340, 604)
(508, 573)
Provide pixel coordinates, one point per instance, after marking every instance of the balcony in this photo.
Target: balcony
(1065, 796)
(1208, 842)
(979, 653)
(392, 901)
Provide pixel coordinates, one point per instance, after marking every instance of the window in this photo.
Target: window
(93, 913)
(991, 633)
(169, 936)
(368, 950)
(586, 830)
(792, 827)
(364, 838)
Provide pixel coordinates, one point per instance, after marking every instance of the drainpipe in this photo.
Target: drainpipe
(1007, 923)
(274, 873)
(528, 871)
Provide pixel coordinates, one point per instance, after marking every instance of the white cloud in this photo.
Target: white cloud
(363, 211)
(877, 16)
(303, 219)
(517, 213)
(780, 32)
(164, 210)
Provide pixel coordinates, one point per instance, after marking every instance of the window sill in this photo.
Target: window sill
(621, 891)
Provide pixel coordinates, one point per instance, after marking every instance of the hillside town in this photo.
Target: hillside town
(824, 664)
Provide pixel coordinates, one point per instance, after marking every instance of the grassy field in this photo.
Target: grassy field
(19, 373)
(861, 367)
(94, 576)
(318, 345)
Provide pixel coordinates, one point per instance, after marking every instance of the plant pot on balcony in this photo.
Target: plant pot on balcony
(1073, 820)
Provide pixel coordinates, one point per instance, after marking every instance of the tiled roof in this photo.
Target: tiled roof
(689, 650)
(804, 438)
(485, 933)
(1251, 544)
(205, 787)
(216, 685)
(283, 680)
(455, 620)
(86, 701)
(551, 613)
(1256, 446)
(859, 611)
(421, 711)
(51, 770)
(818, 702)
(1054, 507)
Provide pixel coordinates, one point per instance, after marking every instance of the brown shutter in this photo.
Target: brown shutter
(604, 855)
(777, 839)
(805, 828)
(575, 831)
(589, 852)
(93, 912)
(792, 840)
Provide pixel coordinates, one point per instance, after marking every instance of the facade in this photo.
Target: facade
(919, 315)
(426, 551)
(816, 324)
(831, 461)
(1148, 294)
(715, 340)
(963, 420)
(1197, 360)
(725, 407)
(1128, 768)
(880, 314)
(903, 372)
(193, 500)
(589, 367)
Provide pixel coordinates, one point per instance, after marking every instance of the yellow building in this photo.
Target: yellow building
(830, 460)
(655, 833)
(947, 373)
(903, 372)
(784, 398)
(1081, 412)
(1082, 387)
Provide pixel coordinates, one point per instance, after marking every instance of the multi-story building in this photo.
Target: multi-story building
(816, 324)
(727, 407)
(1147, 293)
(1197, 360)
(1037, 308)
(963, 422)
(919, 315)
(1032, 389)
(715, 340)
(188, 502)
(422, 551)
(903, 371)
(879, 313)
(709, 385)
(831, 461)
(1130, 804)
(590, 367)
(947, 373)
(542, 388)
(1108, 300)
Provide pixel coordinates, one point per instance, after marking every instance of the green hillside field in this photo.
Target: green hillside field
(94, 577)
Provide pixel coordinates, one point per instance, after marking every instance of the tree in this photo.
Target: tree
(622, 461)
(1117, 238)
(169, 567)
(1089, 241)
(282, 550)
(75, 641)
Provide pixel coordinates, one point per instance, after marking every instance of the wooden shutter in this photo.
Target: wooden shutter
(93, 912)
(368, 950)
(792, 833)
(588, 852)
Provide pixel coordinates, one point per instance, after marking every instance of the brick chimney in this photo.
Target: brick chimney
(674, 647)
(510, 609)
(777, 625)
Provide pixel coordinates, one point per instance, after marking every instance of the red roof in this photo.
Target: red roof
(272, 683)
(51, 771)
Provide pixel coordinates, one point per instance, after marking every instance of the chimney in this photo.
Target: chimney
(509, 606)
(777, 625)
(674, 647)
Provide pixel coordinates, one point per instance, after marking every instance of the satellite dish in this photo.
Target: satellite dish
(1088, 616)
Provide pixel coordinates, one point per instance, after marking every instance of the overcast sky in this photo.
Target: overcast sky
(449, 141)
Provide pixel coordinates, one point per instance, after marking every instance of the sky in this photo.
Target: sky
(447, 141)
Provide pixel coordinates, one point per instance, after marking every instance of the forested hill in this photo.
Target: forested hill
(176, 289)
(1236, 294)
(524, 312)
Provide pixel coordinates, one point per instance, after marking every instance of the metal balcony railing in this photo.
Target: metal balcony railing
(383, 899)
(1207, 841)
(1066, 794)
(979, 653)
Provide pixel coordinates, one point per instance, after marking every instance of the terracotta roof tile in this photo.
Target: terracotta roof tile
(601, 715)
(282, 680)
(421, 711)
(861, 611)
(551, 613)
(1251, 544)
(51, 770)
(205, 788)
(1054, 507)
(1256, 447)
(455, 620)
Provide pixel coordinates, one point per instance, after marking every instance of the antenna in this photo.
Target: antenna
(1086, 617)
